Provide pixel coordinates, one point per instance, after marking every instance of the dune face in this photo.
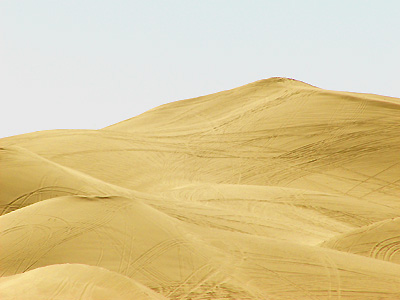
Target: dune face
(73, 281)
(273, 190)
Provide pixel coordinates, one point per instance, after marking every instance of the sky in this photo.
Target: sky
(88, 64)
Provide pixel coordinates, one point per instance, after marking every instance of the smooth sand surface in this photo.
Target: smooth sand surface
(273, 190)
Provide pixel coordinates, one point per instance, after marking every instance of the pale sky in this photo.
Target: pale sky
(90, 63)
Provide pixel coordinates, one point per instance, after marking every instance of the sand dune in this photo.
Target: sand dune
(380, 240)
(73, 281)
(27, 178)
(273, 190)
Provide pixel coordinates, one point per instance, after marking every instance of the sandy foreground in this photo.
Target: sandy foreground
(273, 190)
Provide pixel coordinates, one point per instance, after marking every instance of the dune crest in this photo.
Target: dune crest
(273, 190)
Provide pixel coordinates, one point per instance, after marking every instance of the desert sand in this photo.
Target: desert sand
(273, 190)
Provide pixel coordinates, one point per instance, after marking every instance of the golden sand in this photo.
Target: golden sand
(273, 190)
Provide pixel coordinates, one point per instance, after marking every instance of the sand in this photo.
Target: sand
(273, 190)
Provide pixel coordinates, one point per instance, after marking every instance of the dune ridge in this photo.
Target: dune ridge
(273, 190)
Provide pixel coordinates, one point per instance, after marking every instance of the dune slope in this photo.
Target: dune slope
(73, 281)
(273, 190)
(380, 240)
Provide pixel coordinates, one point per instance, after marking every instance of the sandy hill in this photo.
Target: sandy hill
(273, 190)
